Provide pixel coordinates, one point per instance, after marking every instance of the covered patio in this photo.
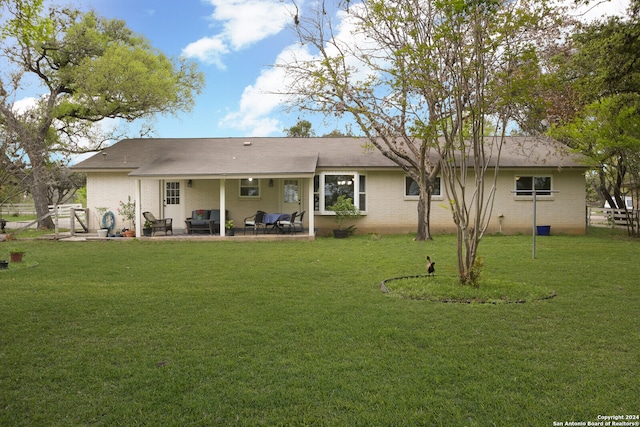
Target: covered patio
(237, 179)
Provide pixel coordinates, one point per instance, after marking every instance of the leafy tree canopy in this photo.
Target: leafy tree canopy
(601, 66)
(87, 69)
(302, 129)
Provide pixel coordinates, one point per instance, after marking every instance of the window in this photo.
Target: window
(362, 194)
(172, 193)
(249, 187)
(291, 191)
(524, 185)
(327, 187)
(411, 189)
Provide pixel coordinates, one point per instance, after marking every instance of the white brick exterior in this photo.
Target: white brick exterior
(388, 210)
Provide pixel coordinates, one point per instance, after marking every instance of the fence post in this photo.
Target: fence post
(56, 220)
(72, 221)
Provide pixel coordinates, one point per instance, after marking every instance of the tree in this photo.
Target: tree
(302, 129)
(328, 83)
(426, 77)
(87, 69)
(608, 132)
(604, 69)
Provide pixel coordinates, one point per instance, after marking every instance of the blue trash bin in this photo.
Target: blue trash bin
(543, 230)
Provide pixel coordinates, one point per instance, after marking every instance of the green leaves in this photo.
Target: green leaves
(87, 68)
(25, 22)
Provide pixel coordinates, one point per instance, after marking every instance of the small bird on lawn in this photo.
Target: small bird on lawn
(431, 270)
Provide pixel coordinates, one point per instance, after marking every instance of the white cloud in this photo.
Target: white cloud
(258, 101)
(249, 21)
(256, 104)
(244, 23)
(207, 49)
(23, 105)
(262, 98)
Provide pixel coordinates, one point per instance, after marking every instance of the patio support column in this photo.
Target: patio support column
(223, 204)
(311, 215)
(137, 196)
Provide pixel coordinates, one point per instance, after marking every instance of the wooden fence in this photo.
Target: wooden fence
(611, 217)
(74, 212)
(16, 209)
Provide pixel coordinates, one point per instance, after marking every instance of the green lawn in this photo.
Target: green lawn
(299, 333)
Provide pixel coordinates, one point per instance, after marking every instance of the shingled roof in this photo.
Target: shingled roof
(229, 157)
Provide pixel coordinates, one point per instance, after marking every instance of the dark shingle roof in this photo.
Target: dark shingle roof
(284, 156)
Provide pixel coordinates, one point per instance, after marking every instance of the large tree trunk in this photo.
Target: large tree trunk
(424, 215)
(38, 185)
(41, 202)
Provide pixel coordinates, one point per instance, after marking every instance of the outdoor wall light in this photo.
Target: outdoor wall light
(271, 183)
(189, 183)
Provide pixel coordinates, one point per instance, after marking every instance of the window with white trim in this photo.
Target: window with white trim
(412, 190)
(249, 187)
(328, 186)
(172, 193)
(525, 184)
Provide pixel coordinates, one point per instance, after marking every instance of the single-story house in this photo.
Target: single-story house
(238, 176)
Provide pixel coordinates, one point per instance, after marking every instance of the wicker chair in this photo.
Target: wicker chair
(286, 225)
(254, 222)
(164, 224)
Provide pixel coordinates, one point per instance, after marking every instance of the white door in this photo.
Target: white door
(291, 196)
(174, 201)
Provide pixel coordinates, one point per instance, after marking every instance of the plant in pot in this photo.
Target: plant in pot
(16, 254)
(345, 211)
(101, 222)
(128, 212)
(229, 227)
(147, 230)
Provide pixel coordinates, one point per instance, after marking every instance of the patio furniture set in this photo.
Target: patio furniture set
(208, 221)
(274, 222)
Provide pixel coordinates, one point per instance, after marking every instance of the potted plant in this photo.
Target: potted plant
(147, 230)
(345, 211)
(128, 212)
(101, 226)
(228, 226)
(16, 254)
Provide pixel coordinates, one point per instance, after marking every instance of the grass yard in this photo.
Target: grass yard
(298, 333)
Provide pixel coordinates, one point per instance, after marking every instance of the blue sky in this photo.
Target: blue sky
(234, 43)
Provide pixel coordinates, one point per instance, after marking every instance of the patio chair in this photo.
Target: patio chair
(297, 224)
(164, 224)
(288, 223)
(254, 221)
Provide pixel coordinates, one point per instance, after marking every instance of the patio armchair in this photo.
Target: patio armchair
(298, 225)
(287, 223)
(164, 224)
(254, 222)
